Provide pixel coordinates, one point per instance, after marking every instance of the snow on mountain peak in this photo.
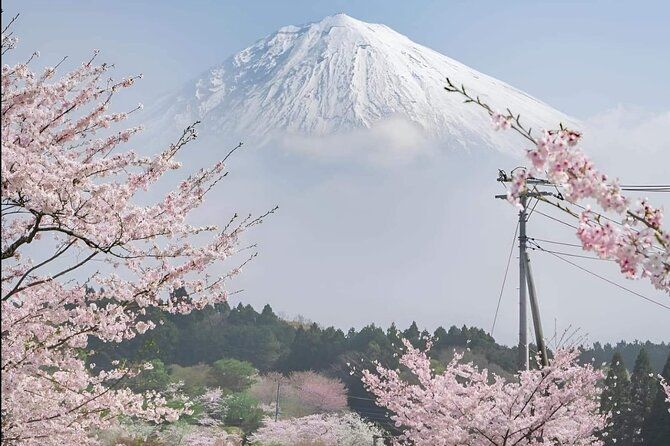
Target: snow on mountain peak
(340, 19)
(340, 75)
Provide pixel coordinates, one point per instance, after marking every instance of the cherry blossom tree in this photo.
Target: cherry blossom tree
(209, 436)
(301, 394)
(638, 242)
(172, 434)
(344, 429)
(81, 258)
(666, 389)
(557, 404)
(319, 393)
(210, 401)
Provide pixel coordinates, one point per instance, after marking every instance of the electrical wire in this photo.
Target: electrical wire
(655, 302)
(556, 219)
(583, 208)
(538, 247)
(502, 287)
(361, 398)
(653, 190)
(646, 188)
(537, 200)
(554, 242)
(570, 255)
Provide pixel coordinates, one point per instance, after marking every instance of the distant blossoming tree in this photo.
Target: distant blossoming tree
(206, 436)
(463, 405)
(666, 389)
(344, 429)
(639, 243)
(81, 259)
(301, 394)
(319, 393)
(210, 401)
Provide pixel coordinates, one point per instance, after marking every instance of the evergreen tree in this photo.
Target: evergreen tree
(615, 401)
(656, 429)
(267, 316)
(440, 337)
(412, 334)
(304, 350)
(642, 393)
(394, 335)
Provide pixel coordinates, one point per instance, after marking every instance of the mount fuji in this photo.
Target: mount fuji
(342, 76)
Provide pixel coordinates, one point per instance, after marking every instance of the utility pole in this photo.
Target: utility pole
(523, 318)
(525, 279)
(535, 310)
(277, 402)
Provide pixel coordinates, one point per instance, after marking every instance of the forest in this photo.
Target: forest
(245, 352)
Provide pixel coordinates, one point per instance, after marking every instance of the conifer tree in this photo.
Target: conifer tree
(656, 429)
(615, 400)
(643, 389)
(412, 334)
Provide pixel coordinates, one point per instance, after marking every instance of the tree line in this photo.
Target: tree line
(273, 344)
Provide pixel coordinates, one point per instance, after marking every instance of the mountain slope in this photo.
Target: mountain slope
(340, 75)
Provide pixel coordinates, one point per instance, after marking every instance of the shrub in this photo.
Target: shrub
(195, 378)
(233, 375)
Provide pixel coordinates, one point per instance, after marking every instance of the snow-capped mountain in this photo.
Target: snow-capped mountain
(341, 75)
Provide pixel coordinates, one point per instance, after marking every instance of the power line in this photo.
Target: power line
(361, 398)
(556, 219)
(646, 187)
(660, 304)
(554, 242)
(594, 212)
(537, 200)
(536, 247)
(382, 415)
(653, 190)
(502, 287)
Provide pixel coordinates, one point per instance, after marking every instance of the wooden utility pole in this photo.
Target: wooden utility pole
(526, 281)
(523, 313)
(535, 311)
(277, 401)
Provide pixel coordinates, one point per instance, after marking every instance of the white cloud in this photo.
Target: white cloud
(631, 143)
(391, 141)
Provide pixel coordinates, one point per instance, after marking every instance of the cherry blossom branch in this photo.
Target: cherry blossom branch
(514, 121)
(556, 155)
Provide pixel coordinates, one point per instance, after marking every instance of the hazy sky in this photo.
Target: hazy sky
(580, 56)
(357, 243)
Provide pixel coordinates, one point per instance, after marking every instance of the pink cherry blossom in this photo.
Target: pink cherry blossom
(500, 121)
(318, 393)
(343, 429)
(81, 258)
(557, 404)
(666, 389)
(639, 244)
